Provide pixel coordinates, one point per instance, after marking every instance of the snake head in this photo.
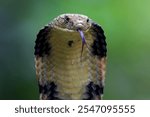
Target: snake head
(72, 22)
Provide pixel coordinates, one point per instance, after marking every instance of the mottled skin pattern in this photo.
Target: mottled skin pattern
(62, 72)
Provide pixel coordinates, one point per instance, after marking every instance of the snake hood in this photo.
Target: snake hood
(61, 71)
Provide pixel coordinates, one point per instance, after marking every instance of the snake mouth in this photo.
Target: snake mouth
(80, 26)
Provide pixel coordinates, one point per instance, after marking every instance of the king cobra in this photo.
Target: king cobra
(70, 59)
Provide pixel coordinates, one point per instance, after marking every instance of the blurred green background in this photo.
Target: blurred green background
(127, 27)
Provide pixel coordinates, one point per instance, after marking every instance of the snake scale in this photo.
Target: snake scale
(70, 59)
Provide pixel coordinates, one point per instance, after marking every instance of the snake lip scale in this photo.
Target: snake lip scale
(65, 68)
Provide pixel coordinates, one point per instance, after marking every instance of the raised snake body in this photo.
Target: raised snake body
(63, 69)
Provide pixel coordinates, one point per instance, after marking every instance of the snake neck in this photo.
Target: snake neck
(68, 69)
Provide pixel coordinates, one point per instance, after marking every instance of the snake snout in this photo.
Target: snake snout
(79, 26)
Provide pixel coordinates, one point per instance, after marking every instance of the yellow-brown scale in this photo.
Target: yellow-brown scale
(65, 66)
(62, 71)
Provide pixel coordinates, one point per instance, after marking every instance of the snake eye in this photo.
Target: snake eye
(67, 19)
(87, 20)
